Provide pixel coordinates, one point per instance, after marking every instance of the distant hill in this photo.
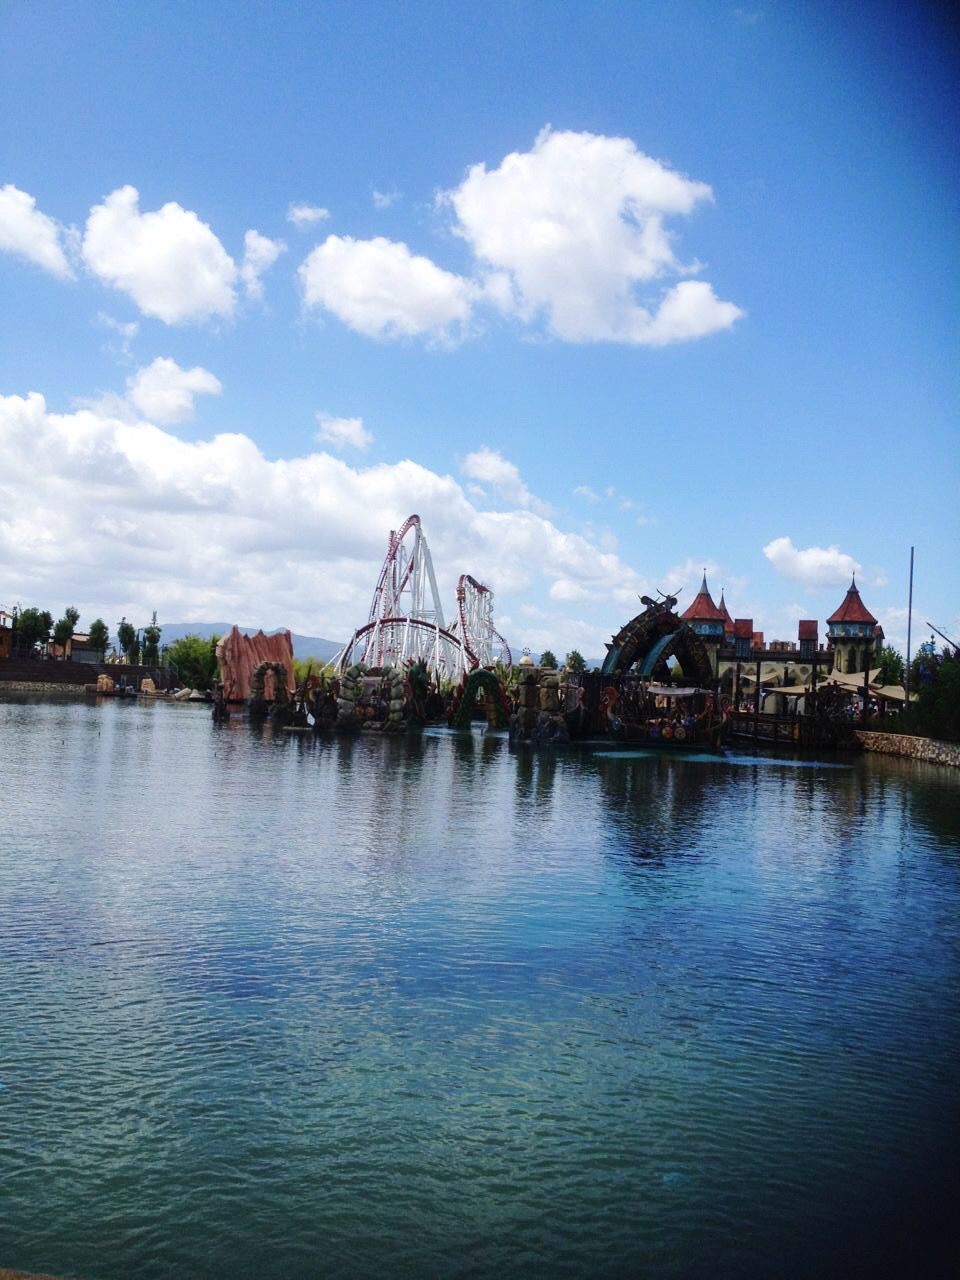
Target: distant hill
(303, 646)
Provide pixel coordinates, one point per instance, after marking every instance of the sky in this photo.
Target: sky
(609, 294)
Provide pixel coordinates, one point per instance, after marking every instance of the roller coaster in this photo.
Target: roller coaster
(406, 621)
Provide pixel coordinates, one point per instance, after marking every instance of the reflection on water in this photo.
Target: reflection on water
(279, 1005)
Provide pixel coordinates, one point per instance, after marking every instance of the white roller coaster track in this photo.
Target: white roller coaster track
(406, 621)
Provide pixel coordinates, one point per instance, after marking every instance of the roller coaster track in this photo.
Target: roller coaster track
(406, 621)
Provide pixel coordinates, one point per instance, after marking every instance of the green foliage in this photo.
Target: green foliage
(65, 626)
(548, 659)
(575, 662)
(194, 661)
(31, 626)
(506, 675)
(151, 643)
(890, 662)
(937, 712)
(302, 667)
(935, 679)
(127, 638)
(99, 635)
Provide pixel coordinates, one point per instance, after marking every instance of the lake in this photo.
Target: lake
(432, 1007)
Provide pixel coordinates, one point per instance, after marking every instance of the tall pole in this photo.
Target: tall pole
(906, 678)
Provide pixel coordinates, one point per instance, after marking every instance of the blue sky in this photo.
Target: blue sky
(606, 292)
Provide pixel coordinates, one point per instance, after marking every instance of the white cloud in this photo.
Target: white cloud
(565, 589)
(492, 469)
(577, 223)
(30, 234)
(384, 199)
(114, 514)
(379, 288)
(260, 253)
(343, 432)
(163, 392)
(689, 310)
(814, 566)
(684, 580)
(169, 262)
(125, 332)
(306, 215)
(584, 491)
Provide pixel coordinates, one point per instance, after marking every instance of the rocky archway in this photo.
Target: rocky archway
(262, 697)
(479, 682)
(644, 645)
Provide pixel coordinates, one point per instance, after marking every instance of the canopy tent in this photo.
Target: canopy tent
(767, 679)
(892, 693)
(852, 680)
(666, 691)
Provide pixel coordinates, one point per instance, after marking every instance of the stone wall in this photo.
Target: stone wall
(901, 744)
(40, 686)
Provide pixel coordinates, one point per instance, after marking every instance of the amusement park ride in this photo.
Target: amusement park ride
(406, 622)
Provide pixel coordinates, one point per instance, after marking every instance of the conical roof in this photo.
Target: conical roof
(724, 610)
(853, 609)
(702, 609)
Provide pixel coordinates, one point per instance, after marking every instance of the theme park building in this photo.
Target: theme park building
(854, 640)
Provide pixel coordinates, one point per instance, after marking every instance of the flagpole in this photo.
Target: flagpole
(906, 679)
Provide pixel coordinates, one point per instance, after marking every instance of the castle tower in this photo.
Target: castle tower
(852, 633)
(707, 621)
(727, 620)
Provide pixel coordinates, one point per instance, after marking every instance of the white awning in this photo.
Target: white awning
(665, 691)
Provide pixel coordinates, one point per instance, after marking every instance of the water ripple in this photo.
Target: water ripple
(428, 1007)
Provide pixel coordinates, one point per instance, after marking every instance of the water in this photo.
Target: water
(426, 1007)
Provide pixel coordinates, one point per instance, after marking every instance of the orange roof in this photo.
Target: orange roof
(703, 609)
(853, 608)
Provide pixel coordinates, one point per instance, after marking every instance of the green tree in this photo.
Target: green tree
(151, 643)
(65, 626)
(31, 626)
(302, 667)
(194, 661)
(548, 659)
(99, 636)
(890, 662)
(575, 662)
(126, 638)
(506, 675)
(938, 709)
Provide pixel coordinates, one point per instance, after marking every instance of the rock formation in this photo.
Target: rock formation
(239, 655)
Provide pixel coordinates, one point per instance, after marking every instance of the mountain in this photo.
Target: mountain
(303, 646)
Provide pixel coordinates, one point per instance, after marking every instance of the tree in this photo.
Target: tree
(936, 712)
(548, 659)
(890, 662)
(151, 643)
(65, 626)
(126, 638)
(939, 705)
(99, 636)
(31, 626)
(194, 661)
(575, 662)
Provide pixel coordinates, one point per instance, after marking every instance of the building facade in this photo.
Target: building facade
(740, 656)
